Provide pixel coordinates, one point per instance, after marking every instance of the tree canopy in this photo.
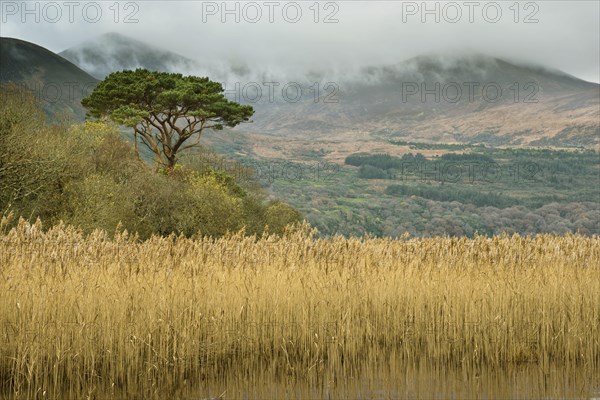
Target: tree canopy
(165, 110)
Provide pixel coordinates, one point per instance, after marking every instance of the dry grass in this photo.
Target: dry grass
(98, 316)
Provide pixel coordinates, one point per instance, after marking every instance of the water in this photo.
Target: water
(417, 381)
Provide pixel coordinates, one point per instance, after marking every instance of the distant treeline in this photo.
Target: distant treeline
(383, 161)
(386, 161)
(385, 166)
(435, 146)
(463, 195)
(555, 168)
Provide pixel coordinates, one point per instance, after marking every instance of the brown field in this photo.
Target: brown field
(297, 317)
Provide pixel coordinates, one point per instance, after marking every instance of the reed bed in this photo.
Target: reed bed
(110, 316)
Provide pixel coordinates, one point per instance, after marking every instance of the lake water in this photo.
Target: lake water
(393, 382)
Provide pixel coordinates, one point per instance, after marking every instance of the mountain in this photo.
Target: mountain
(480, 99)
(56, 82)
(115, 52)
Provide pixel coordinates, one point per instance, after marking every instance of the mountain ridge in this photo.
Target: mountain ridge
(538, 105)
(56, 82)
(113, 51)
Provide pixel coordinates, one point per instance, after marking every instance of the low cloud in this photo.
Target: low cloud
(555, 34)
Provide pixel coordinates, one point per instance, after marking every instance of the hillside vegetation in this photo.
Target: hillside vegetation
(87, 175)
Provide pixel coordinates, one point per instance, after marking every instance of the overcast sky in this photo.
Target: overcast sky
(559, 34)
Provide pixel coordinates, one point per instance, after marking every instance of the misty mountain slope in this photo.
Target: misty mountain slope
(520, 104)
(115, 52)
(56, 82)
(474, 67)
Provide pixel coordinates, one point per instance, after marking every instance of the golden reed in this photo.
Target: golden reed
(82, 315)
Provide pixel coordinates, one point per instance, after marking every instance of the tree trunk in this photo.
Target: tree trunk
(172, 163)
(135, 145)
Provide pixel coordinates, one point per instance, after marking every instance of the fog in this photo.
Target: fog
(283, 39)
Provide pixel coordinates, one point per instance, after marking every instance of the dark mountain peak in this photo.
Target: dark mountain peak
(56, 82)
(19, 59)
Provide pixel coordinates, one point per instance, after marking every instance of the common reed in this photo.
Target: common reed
(111, 316)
